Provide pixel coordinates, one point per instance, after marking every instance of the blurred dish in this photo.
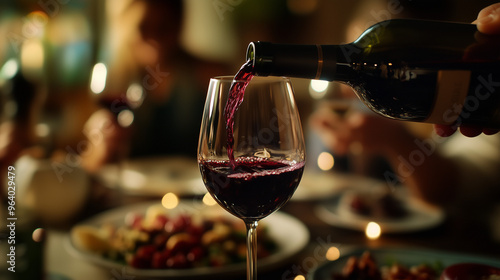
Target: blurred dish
(56, 195)
(404, 256)
(155, 176)
(376, 204)
(417, 215)
(291, 235)
(321, 184)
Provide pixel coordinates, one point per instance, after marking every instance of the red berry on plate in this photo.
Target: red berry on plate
(195, 230)
(159, 260)
(196, 254)
(159, 222)
(177, 224)
(146, 251)
(177, 261)
(133, 220)
(160, 240)
(139, 262)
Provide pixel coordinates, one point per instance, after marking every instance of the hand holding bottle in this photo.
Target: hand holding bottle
(436, 72)
(488, 19)
(488, 22)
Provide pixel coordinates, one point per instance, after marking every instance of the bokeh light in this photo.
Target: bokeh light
(98, 80)
(209, 200)
(373, 230)
(326, 161)
(333, 253)
(318, 88)
(170, 201)
(38, 235)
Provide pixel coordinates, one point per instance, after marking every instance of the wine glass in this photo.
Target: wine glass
(267, 145)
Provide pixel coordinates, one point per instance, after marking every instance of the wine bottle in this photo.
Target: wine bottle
(414, 70)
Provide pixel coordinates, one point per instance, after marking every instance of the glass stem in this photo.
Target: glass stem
(251, 250)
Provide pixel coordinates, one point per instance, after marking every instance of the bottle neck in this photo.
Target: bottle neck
(323, 62)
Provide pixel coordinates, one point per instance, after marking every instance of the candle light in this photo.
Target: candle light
(373, 230)
(325, 161)
(333, 253)
(209, 200)
(170, 201)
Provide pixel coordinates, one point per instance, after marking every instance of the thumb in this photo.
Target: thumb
(488, 19)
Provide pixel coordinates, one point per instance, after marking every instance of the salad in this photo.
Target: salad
(162, 240)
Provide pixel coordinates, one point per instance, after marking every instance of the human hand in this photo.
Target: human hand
(107, 140)
(469, 131)
(488, 22)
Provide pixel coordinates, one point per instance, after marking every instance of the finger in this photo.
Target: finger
(444, 130)
(488, 19)
(470, 131)
(489, 131)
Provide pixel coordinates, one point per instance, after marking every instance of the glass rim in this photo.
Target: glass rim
(254, 79)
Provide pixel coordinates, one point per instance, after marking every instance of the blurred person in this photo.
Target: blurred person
(458, 173)
(174, 82)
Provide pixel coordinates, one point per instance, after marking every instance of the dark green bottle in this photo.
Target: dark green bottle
(414, 70)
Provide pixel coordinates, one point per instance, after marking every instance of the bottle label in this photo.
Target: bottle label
(451, 91)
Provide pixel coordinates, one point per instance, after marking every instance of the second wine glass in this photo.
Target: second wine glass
(268, 149)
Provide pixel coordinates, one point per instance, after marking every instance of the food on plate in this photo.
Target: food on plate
(162, 240)
(465, 271)
(383, 206)
(366, 268)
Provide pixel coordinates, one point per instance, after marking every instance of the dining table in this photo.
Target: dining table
(450, 235)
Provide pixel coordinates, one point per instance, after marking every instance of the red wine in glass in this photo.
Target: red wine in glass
(251, 150)
(255, 188)
(248, 187)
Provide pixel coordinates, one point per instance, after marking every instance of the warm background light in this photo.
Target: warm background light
(98, 80)
(42, 130)
(373, 230)
(333, 253)
(32, 54)
(38, 235)
(318, 88)
(135, 95)
(325, 161)
(170, 201)
(209, 200)
(125, 118)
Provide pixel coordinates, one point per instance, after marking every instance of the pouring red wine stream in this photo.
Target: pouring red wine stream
(236, 95)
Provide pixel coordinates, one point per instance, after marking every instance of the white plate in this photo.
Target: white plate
(336, 212)
(291, 235)
(404, 256)
(320, 184)
(155, 176)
